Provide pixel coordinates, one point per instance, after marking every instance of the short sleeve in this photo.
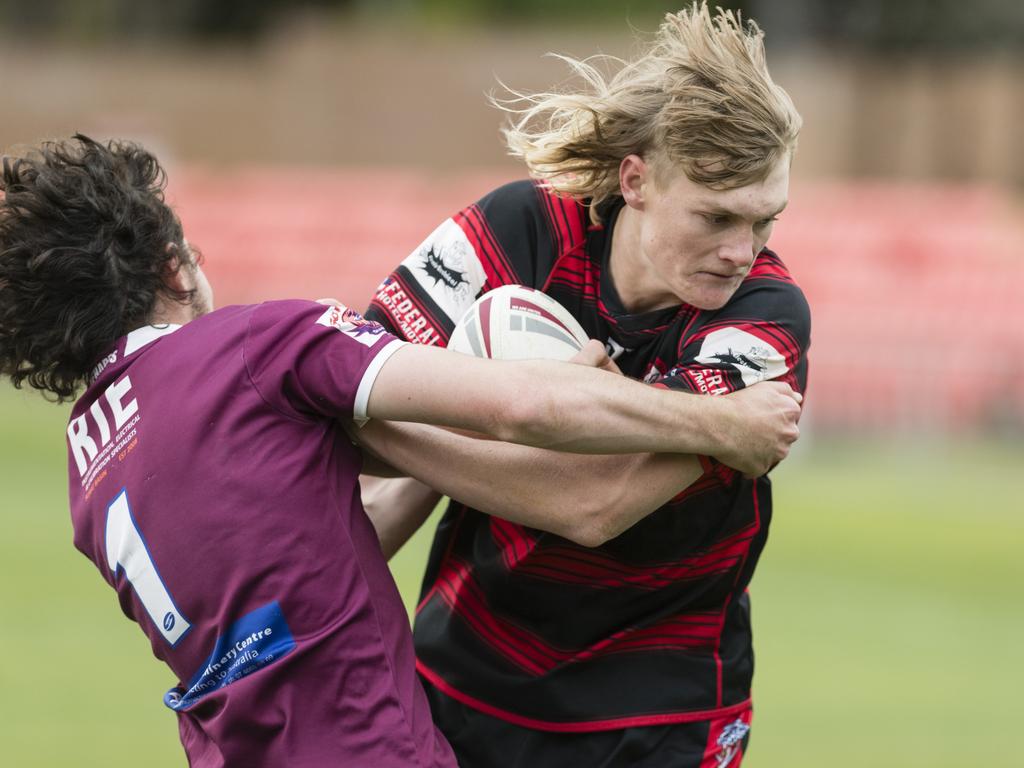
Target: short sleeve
(310, 361)
(762, 333)
(485, 245)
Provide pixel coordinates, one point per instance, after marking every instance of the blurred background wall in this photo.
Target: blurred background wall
(279, 121)
(313, 144)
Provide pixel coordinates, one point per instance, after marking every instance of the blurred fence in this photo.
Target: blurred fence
(903, 227)
(322, 96)
(917, 294)
(917, 290)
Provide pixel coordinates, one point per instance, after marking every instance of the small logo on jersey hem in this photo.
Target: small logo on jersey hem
(729, 742)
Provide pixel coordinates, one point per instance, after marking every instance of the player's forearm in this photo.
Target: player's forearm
(543, 403)
(587, 499)
(586, 410)
(572, 408)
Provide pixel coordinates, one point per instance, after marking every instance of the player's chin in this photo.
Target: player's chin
(710, 292)
(709, 301)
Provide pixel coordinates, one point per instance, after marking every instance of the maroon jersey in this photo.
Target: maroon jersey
(653, 626)
(213, 487)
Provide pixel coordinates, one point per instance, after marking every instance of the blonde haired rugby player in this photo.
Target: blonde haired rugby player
(654, 194)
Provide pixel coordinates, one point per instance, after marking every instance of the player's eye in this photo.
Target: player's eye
(767, 222)
(716, 219)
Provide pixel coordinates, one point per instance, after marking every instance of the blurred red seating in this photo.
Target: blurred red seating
(917, 289)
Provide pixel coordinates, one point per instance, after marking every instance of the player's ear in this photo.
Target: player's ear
(178, 275)
(634, 174)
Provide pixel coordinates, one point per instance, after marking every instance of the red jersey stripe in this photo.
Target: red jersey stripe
(493, 259)
(589, 726)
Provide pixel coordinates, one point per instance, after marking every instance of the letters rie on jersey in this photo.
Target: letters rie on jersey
(107, 430)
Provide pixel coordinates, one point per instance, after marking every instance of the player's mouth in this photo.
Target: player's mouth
(720, 276)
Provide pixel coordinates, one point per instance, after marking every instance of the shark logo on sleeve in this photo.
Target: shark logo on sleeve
(754, 358)
(447, 269)
(435, 268)
(738, 359)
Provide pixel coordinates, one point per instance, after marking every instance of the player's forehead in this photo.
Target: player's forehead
(755, 201)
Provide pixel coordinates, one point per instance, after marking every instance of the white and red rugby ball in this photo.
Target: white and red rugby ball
(518, 323)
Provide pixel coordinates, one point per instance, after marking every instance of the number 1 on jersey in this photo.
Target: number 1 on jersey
(126, 550)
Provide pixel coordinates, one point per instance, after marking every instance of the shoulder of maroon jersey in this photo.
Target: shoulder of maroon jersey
(291, 316)
(130, 347)
(107, 370)
(284, 308)
(768, 266)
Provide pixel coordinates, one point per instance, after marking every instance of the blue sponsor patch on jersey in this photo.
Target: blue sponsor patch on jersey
(259, 638)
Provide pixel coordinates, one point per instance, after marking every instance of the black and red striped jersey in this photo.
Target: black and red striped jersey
(653, 626)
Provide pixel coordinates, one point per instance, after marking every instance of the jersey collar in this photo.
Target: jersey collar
(140, 337)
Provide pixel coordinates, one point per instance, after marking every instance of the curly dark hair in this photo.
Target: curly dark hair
(84, 235)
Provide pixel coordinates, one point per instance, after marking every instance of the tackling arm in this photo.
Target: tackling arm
(573, 408)
(587, 499)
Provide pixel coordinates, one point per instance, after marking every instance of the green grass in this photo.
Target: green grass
(888, 608)
(887, 612)
(78, 685)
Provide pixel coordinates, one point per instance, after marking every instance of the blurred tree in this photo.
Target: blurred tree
(117, 19)
(896, 26)
(877, 25)
(538, 11)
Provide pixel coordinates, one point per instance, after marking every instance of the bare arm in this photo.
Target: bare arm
(587, 499)
(573, 408)
(397, 506)
(584, 498)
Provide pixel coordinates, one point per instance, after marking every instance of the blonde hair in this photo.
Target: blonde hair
(700, 98)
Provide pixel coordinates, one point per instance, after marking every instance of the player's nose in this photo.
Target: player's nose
(738, 250)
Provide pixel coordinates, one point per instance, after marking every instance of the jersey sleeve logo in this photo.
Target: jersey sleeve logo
(448, 269)
(755, 359)
(435, 267)
(352, 324)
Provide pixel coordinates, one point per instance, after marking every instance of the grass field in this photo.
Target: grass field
(888, 612)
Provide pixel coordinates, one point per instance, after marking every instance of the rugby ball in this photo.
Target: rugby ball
(517, 323)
